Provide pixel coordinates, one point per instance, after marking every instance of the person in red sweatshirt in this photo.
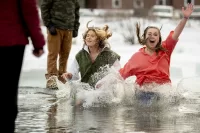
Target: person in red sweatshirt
(19, 21)
(151, 63)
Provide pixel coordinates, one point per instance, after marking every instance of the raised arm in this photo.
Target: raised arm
(186, 14)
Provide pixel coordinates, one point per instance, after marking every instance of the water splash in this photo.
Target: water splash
(113, 90)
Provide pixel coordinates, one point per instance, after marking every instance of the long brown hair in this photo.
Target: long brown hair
(102, 34)
(142, 39)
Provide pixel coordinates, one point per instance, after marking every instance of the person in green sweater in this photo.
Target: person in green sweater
(92, 61)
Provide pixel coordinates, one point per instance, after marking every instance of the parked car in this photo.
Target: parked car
(162, 11)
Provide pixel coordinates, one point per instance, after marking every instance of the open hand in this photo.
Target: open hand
(188, 10)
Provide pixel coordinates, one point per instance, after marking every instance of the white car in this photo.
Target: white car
(162, 11)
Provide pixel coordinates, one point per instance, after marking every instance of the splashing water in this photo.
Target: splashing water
(113, 90)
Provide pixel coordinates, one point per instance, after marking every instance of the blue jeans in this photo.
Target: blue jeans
(146, 98)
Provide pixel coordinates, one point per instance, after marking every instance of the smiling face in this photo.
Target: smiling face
(153, 36)
(91, 39)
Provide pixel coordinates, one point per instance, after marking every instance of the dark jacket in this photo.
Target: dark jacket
(12, 31)
(63, 14)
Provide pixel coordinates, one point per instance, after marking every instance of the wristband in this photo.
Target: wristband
(186, 17)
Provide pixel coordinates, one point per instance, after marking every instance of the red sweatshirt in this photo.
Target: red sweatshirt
(11, 27)
(150, 68)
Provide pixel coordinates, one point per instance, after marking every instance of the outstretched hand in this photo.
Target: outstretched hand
(188, 10)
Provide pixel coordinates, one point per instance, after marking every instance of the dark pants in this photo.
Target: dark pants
(11, 59)
(146, 98)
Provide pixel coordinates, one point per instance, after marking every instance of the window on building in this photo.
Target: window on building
(138, 4)
(188, 1)
(160, 2)
(116, 3)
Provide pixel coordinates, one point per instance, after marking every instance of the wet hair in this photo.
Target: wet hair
(142, 39)
(102, 34)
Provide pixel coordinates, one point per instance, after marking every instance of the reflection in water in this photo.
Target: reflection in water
(176, 111)
(32, 116)
(142, 119)
(51, 125)
(61, 118)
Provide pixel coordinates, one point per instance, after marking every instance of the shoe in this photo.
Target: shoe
(52, 83)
